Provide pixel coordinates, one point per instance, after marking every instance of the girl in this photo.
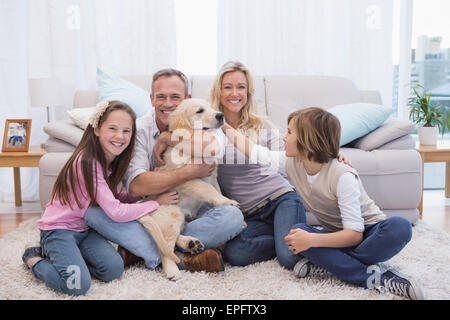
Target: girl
(90, 178)
(356, 235)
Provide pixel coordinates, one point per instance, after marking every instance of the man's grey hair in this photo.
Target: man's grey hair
(172, 72)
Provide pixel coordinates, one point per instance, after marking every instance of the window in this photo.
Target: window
(430, 65)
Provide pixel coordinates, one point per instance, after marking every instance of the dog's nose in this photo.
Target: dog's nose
(219, 116)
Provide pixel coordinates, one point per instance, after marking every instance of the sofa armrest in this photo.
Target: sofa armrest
(392, 178)
(49, 167)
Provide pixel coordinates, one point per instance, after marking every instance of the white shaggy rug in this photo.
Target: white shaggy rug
(426, 258)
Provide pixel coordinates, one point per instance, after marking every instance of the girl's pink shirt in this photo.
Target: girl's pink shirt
(119, 208)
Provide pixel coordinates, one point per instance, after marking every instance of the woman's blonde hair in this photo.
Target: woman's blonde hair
(249, 123)
(318, 133)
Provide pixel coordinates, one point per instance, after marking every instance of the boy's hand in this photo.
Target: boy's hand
(167, 198)
(298, 240)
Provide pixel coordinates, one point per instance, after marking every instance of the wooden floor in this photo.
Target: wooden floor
(436, 212)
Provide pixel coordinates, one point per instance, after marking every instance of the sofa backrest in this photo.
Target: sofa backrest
(277, 96)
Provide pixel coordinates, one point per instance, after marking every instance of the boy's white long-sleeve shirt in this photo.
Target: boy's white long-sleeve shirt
(348, 190)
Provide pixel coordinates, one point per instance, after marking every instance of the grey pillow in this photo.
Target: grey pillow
(390, 130)
(56, 145)
(64, 130)
(403, 143)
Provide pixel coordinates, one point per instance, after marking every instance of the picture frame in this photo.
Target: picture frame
(17, 135)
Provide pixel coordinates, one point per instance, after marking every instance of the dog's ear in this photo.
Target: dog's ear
(177, 120)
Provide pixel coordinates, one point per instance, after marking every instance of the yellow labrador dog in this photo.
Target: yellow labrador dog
(188, 120)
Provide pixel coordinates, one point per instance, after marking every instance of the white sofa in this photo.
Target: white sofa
(391, 172)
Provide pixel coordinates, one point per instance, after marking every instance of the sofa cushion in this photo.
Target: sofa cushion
(288, 93)
(391, 130)
(358, 119)
(112, 87)
(64, 130)
(85, 98)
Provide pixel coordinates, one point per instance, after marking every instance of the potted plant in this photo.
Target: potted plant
(433, 119)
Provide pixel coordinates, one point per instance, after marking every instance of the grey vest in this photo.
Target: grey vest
(320, 198)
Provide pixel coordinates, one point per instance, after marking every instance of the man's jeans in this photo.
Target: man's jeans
(213, 227)
(263, 239)
(357, 265)
(73, 256)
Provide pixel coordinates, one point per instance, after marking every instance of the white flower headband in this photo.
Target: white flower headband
(99, 111)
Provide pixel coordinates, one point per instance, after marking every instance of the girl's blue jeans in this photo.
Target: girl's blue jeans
(263, 239)
(213, 227)
(73, 257)
(381, 241)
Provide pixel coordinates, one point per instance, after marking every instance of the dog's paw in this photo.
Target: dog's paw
(195, 246)
(173, 274)
(226, 202)
(190, 244)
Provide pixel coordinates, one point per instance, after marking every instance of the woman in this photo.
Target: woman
(269, 202)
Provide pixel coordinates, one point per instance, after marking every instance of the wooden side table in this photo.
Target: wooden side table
(21, 159)
(437, 153)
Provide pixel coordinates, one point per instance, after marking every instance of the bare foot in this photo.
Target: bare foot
(32, 261)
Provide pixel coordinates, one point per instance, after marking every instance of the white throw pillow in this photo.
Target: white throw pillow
(80, 116)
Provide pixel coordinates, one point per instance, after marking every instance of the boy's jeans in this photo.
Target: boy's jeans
(381, 241)
(73, 256)
(213, 227)
(263, 239)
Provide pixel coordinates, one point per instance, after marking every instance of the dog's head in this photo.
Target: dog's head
(195, 114)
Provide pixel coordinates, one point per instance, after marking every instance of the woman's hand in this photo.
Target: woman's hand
(167, 198)
(343, 158)
(298, 240)
(161, 145)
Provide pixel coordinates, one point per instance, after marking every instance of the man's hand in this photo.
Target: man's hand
(164, 140)
(200, 170)
(298, 240)
(201, 144)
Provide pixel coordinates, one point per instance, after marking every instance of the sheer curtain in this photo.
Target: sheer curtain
(348, 38)
(67, 40)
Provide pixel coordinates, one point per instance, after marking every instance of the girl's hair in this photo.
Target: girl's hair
(249, 119)
(88, 151)
(318, 133)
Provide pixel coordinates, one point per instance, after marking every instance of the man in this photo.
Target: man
(213, 227)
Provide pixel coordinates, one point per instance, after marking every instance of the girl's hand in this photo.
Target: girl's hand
(298, 240)
(167, 198)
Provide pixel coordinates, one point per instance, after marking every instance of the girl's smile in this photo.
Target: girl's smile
(115, 134)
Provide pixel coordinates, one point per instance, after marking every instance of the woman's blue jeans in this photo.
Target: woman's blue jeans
(263, 239)
(381, 241)
(73, 257)
(213, 227)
